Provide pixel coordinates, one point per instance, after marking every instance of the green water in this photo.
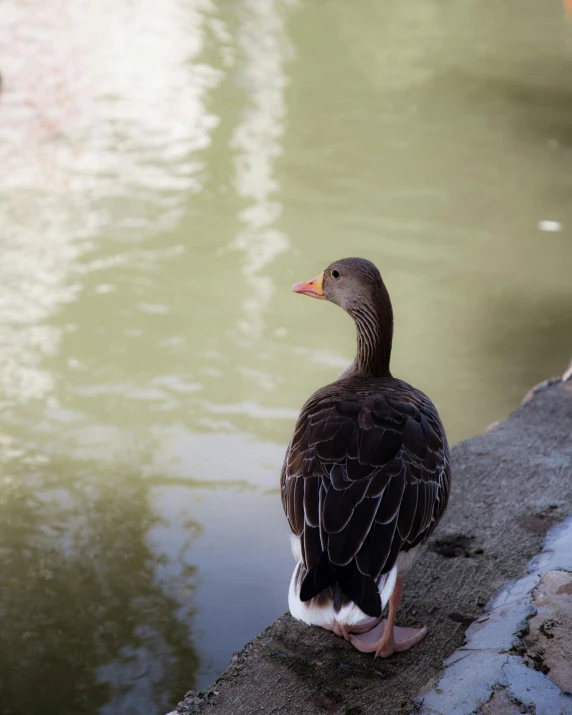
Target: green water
(168, 170)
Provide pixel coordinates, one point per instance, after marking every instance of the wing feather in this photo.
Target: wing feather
(366, 476)
(345, 544)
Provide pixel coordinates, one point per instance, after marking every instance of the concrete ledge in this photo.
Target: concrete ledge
(510, 486)
(495, 659)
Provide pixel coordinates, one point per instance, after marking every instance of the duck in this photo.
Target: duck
(365, 478)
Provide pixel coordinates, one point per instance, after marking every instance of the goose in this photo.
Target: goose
(365, 479)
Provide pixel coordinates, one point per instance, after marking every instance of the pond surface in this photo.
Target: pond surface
(168, 171)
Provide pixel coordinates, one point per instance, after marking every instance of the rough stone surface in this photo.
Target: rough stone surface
(549, 640)
(500, 704)
(538, 694)
(488, 657)
(509, 486)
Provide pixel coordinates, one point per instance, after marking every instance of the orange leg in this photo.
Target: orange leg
(386, 638)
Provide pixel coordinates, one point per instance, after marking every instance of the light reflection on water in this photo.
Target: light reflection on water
(257, 139)
(98, 142)
(168, 171)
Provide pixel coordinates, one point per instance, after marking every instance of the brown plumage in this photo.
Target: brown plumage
(366, 474)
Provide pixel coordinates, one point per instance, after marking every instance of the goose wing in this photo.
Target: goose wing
(366, 476)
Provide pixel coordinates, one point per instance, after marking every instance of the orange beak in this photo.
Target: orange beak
(312, 288)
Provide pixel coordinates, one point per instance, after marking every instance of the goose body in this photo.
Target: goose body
(365, 479)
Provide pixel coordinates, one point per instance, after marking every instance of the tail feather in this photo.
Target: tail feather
(318, 578)
(359, 588)
(339, 598)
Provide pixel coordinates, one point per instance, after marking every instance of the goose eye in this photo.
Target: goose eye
(335, 274)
